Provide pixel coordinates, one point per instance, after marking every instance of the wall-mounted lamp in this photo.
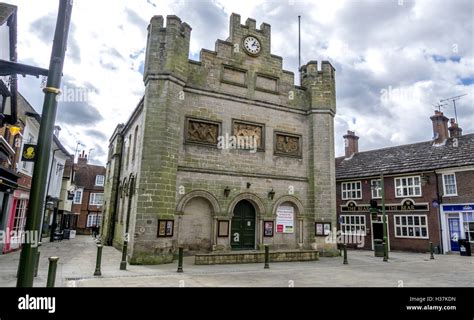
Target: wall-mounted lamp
(271, 194)
(226, 192)
(248, 185)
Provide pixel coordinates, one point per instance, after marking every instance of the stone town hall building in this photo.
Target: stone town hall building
(191, 188)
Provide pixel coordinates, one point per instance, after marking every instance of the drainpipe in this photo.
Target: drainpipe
(439, 213)
(110, 238)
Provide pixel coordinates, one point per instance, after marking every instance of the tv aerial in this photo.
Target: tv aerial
(454, 99)
(439, 106)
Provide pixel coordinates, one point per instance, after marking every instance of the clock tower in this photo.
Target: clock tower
(193, 191)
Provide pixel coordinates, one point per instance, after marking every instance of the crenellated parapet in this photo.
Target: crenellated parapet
(321, 84)
(167, 48)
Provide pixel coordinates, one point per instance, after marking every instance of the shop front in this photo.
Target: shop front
(457, 221)
(8, 184)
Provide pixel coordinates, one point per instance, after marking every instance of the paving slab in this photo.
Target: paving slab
(78, 257)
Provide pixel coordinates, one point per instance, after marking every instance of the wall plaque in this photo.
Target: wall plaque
(249, 134)
(287, 144)
(201, 131)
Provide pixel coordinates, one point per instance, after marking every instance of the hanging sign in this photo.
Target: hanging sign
(29, 153)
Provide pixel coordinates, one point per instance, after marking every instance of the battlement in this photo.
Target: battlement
(321, 84)
(311, 70)
(236, 28)
(167, 47)
(172, 22)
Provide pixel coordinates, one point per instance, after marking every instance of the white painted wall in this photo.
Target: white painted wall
(56, 175)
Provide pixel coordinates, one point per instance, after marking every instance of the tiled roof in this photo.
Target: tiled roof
(85, 176)
(415, 157)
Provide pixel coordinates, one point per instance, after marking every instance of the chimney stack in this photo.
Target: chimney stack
(82, 160)
(454, 130)
(351, 143)
(440, 128)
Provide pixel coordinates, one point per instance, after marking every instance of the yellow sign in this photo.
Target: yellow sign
(29, 153)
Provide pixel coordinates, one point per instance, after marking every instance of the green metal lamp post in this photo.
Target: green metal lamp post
(40, 174)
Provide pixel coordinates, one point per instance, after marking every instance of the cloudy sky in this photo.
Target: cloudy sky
(394, 59)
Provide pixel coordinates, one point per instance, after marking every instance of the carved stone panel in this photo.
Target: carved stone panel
(202, 131)
(249, 133)
(286, 144)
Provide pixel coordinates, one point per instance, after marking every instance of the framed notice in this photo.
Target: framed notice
(319, 229)
(322, 229)
(285, 220)
(223, 228)
(165, 228)
(327, 228)
(268, 228)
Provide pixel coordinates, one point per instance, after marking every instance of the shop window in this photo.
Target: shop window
(413, 226)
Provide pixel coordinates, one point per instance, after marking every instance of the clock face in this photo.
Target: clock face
(252, 45)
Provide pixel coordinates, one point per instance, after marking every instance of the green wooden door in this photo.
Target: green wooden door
(243, 226)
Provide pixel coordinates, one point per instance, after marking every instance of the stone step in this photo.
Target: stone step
(256, 257)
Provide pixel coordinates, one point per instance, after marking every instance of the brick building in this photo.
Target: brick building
(225, 153)
(89, 194)
(429, 190)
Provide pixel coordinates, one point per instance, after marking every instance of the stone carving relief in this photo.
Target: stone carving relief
(253, 132)
(287, 145)
(202, 132)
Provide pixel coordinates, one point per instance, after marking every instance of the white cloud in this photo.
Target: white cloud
(422, 48)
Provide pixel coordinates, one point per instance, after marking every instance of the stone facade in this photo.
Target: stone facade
(187, 181)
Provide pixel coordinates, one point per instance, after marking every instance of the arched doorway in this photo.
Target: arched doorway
(243, 226)
(195, 225)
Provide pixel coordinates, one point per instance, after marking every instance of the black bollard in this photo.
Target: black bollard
(180, 260)
(431, 251)
(267, 257)
(345, 253)
(37, 262)
(98, 261)
(53, 263)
